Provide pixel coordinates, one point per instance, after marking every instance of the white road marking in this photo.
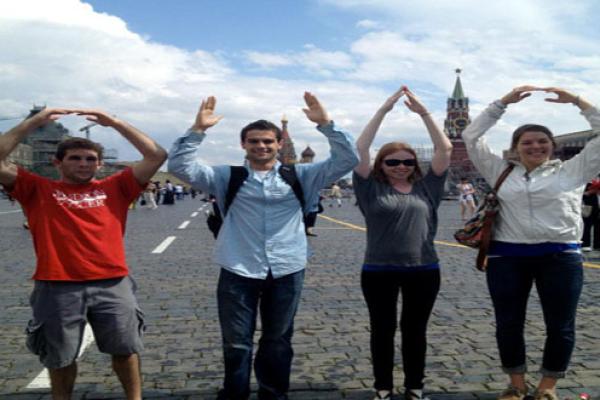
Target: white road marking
(10, 212)
(163, 246)
(183, 225)
(194, 214)
(42, 380)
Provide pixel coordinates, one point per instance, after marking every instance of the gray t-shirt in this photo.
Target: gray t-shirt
(400, 227)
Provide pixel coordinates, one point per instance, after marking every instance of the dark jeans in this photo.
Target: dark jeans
(239, 299)
(558, 279)
(310, 219)
(591, 224)
(419, 291)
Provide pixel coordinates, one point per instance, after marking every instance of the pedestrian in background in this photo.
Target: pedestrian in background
(310, 219)
(335, 194)
(467, 198)
(169, 193)
(591, 216)
(150, 196)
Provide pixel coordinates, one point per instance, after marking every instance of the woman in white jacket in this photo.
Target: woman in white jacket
(536, 237)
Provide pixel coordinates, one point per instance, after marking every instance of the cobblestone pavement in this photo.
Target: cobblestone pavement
(182, 359)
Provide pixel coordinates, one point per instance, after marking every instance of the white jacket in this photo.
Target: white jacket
(543, 205)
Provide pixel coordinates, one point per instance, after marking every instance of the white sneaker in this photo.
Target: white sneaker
(414, 394)
(586, 249)
(383, 395)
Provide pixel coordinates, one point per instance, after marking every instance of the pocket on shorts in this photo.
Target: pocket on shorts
(133, 283)
(36, 343)
(141, 321)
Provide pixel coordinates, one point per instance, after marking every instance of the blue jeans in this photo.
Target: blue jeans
(239, 299)
(558, 278)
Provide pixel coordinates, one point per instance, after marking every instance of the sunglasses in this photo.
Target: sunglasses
(393, 162)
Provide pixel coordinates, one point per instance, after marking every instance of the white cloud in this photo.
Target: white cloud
(312, 59)
(268, 60)
(368, 24)
(64, 53)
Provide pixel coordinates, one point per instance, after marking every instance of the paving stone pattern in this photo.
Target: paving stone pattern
(183, 358)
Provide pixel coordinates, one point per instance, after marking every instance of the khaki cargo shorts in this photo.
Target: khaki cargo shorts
(61, 310)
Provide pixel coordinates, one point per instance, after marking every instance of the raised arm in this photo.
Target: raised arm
(314, 110)
(153, 154)
(206, 117)
(184, 161)
(489, 164)
(342, 157)
(363, 144)
(342, 152)
(562, 96)
(442, 147)
(586, 165)
(10, 140)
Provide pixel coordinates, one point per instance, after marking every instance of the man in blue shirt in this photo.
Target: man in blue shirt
(261, 246)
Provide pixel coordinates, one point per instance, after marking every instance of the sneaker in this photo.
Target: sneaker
(548, 394)
(383, 395)
(512, 393)
(586, 249)
(414, 394)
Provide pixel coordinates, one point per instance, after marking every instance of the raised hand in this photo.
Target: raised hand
(97, 116)
(392, 100)
(562, 96)
(47, 115)
(315, 111)
(413, 103)
(519, 93)
(206, 117)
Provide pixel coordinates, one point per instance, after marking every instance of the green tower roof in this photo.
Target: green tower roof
(458, 90)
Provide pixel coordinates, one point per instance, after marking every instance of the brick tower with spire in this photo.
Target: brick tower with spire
(457, 119)
(287, 154)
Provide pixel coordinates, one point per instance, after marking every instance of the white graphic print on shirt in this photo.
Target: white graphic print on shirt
(91, 199)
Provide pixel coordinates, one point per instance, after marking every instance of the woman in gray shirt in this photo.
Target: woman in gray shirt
(400, 209)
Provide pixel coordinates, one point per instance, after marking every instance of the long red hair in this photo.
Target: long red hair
(390, 148)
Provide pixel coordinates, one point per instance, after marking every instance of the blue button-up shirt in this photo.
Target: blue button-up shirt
(263, 229)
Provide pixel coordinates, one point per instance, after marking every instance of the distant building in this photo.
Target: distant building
(22, 155)
(43, 142)
(37, 150)
(457, 119)
(287, 154)
(307, 155)
(570, 144)
(424, 155)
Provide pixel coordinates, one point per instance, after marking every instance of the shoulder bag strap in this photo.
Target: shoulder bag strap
(488, 222)
(288, 174)
(236, 180)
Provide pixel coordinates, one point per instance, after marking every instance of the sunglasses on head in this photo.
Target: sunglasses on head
(394, 162)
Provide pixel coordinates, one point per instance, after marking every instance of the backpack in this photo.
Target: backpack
(238, 175)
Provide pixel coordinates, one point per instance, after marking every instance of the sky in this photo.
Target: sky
(152, 62)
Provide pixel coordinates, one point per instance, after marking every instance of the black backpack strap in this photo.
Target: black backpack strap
(238, 175)
(288, 174)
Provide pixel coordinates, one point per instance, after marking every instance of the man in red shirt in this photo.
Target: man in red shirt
(77, 224)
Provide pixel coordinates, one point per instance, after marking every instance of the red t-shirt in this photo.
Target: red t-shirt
(77, 229)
